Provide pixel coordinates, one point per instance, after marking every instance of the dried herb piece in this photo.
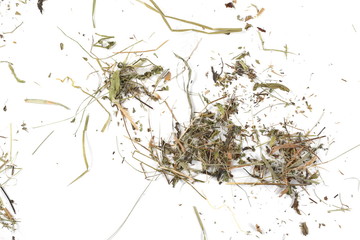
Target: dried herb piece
(271, 86)
(40, 5)
(304, 228)
(126, 83)
(247, 18)
(229, 5)
(258, 229)
(14, 74)
(295, 204)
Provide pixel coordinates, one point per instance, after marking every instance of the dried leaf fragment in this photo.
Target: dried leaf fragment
(114, 85)
(229, 5)
(258, 229)
(260, 12)
(167, 76)
(295, 205)
(247, 18)
(304, 228)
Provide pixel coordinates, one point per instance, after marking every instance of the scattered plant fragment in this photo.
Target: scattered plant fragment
(214, 143)
(304, 228)
(10, 65)
(8, 171)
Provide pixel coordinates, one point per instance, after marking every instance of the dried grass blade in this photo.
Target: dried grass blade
(144, 51)
(340, 154)
(188, 85)
(93, 13)
(286, 52)
(90, 55)
(126, 114)
(286, 145)
(93, 97)
(11, 142)
(42, 142)
(83, 151)
(157, 9)
(200, 223)
(132, 209)
(41, 101)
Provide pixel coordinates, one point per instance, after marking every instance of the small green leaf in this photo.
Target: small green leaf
(114, 85)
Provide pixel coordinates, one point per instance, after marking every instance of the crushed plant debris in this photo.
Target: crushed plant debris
(126, 82)
(219, 142)
(216, 144)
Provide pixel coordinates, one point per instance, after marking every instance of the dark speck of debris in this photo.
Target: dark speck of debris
(23, 127)
(261, 29)
(229, 5)
(40, 5)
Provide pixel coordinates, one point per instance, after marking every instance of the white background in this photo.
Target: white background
(323, 34)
